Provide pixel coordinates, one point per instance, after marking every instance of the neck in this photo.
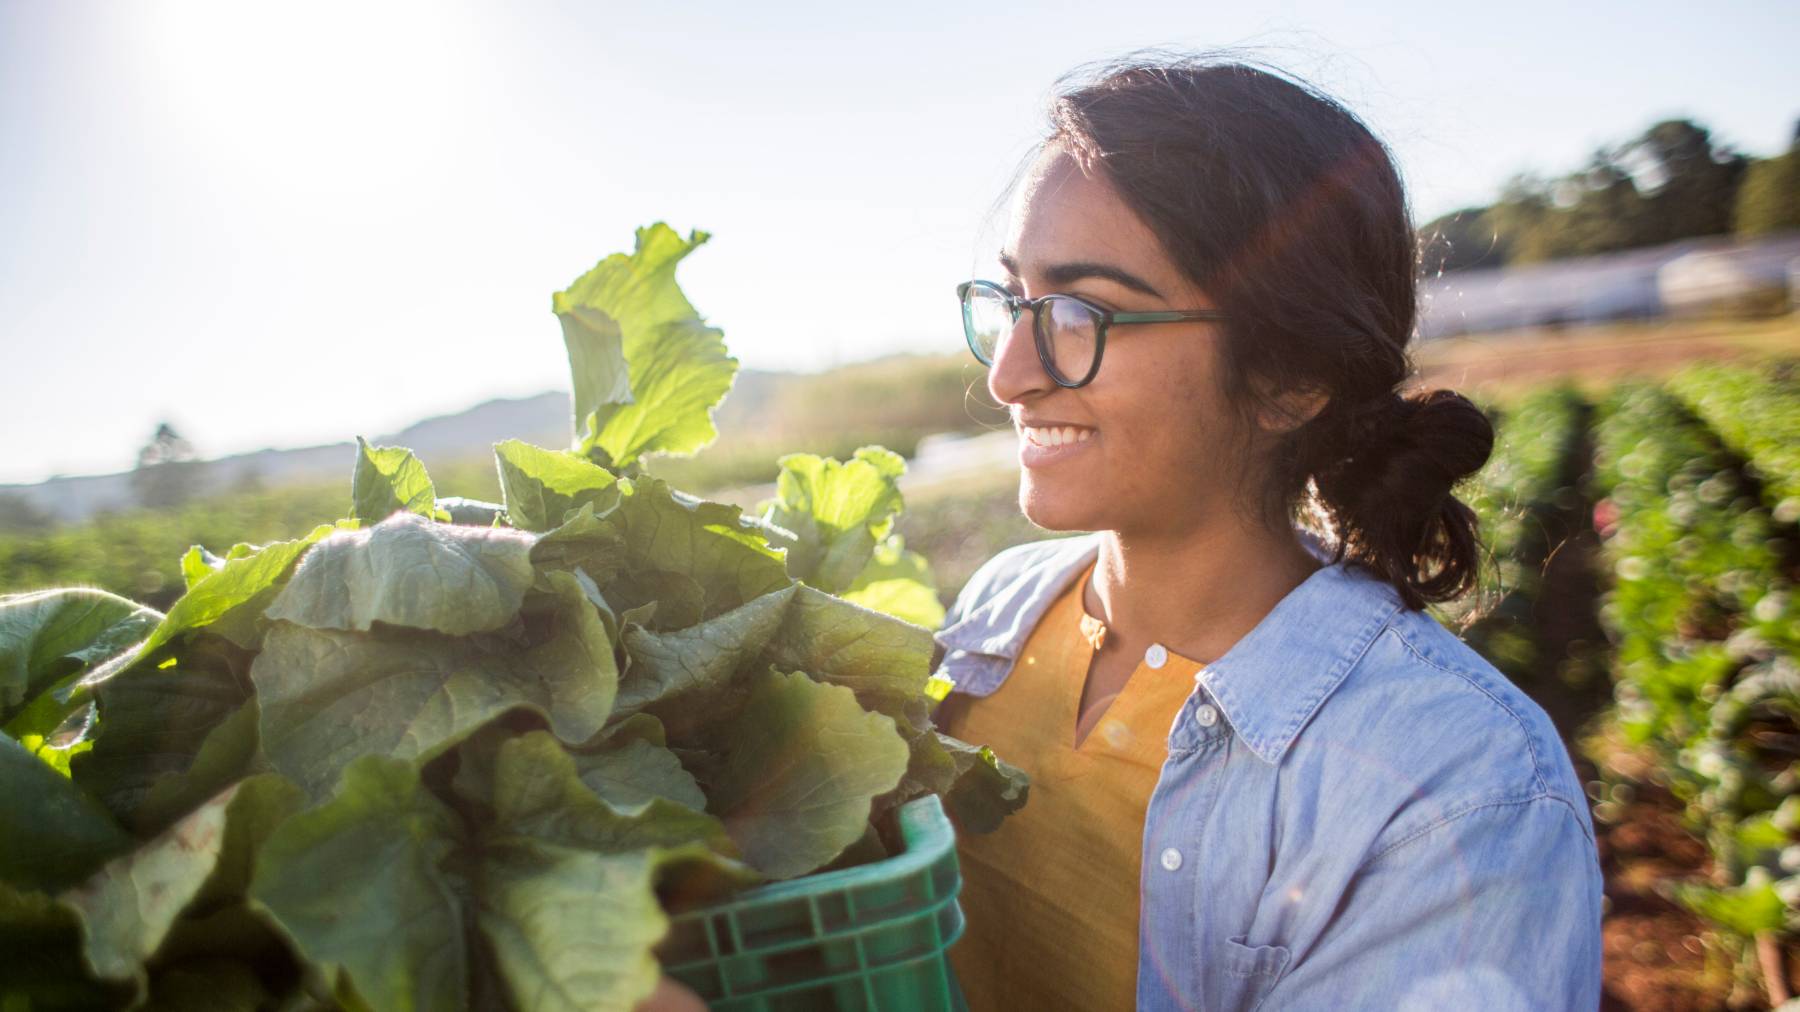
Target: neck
(1197, 592)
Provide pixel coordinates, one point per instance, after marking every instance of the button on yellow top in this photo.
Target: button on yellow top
(1051, 898)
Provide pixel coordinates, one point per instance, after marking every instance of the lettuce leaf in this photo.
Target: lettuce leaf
(541, 487)
(409, 571)
(328, 696)
(803, 762)
(48, 641)
(647, 371)
(898, 582)
(840, 510)
(389, 479)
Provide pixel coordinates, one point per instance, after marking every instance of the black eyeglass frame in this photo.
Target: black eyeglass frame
(1103, 318)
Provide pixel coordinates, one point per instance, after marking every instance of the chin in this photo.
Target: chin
(1057, 509)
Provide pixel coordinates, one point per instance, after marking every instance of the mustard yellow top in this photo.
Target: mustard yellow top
(1051, 898)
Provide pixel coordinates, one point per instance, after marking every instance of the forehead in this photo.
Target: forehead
(1061, 214)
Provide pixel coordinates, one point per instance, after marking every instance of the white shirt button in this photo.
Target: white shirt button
(1157, 655)
(1171, 859)
(1207, 715)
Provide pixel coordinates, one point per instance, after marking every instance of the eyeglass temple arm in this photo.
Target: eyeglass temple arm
(1168, 316)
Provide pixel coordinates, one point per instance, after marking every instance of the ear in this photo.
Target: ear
(1292, 409)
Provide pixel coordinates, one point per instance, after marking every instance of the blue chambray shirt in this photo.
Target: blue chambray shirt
(1368, 816)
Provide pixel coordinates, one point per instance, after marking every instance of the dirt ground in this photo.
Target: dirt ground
(1501, 364)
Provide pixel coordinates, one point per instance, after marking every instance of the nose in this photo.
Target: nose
(1017, 372)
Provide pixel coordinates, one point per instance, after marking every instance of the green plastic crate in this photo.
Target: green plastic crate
(871, 937)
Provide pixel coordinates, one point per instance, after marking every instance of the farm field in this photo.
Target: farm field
(1641, 509)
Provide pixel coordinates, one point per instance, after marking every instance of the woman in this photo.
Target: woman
(1261, 774)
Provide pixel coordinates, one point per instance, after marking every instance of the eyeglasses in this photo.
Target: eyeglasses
(1070, 332)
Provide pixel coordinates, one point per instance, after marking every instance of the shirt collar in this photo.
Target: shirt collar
(1269, 684)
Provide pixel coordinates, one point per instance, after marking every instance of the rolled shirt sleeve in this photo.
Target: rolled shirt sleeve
(1495, 908)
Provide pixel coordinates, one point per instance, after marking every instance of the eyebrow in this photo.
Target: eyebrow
(1062, 274)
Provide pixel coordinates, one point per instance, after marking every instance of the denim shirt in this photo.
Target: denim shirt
(1356, 810)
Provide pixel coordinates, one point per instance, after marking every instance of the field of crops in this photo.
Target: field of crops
(1662, 517)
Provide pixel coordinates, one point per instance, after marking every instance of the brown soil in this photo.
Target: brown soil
(1497, 364)
(1654, 956)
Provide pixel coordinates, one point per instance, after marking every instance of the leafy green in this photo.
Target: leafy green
(685, 666)
(47, 636)
(128, 907)
(154, 722)
(673, 538)
(839, 509)
(636, 772)
(48, 640)
(647, 371)
(365, 886)
(45, 968)
(390, 479)
(328, 696)
(983, 789)
(804, 762)
(54, 834)
(541, 486)
(842, 515)
(584, 542)
(885, 660)
(408, 571)
(898, 582)
(451, 754)
(232, 598)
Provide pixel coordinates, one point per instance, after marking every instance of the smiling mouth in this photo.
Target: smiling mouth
(1056, 435)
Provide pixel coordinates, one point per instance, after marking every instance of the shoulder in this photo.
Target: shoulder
(1448, 735)
(1000, 604)
(1011, 565)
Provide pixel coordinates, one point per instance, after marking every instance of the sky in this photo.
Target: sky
(284, 225)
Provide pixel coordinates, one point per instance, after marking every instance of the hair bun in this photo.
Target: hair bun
(1441, 432)
(1391, 501)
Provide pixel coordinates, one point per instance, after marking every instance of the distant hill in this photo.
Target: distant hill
(544, 419)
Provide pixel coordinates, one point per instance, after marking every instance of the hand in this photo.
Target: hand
(671, 996)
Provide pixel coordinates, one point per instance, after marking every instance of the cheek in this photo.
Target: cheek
(1171, 424)
(1177, 453)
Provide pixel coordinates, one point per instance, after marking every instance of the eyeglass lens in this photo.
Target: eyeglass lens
(1069, 331)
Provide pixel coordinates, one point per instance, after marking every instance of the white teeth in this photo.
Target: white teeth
(1060, 436)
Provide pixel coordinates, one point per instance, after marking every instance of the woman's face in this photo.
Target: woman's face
(1152, 448)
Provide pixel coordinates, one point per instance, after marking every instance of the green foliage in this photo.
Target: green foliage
(402, 762)
(1669, 182)
(1707, 636)
(1769, 200)
(842, 514)
(46, 640)
(647, 371)
(1759, 418)
(1515, 497)
(390, 478)
(138, 554)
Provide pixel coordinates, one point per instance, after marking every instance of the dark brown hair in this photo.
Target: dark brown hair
(1288, 212)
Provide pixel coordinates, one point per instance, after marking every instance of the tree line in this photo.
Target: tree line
(1673, 181)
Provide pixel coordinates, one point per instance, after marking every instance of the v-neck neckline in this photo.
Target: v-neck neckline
(1091, 635)
(1092, 632)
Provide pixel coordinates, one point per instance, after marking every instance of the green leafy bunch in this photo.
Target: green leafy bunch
(447, 755)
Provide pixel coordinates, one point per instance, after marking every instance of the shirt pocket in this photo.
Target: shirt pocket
(1250, 971)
